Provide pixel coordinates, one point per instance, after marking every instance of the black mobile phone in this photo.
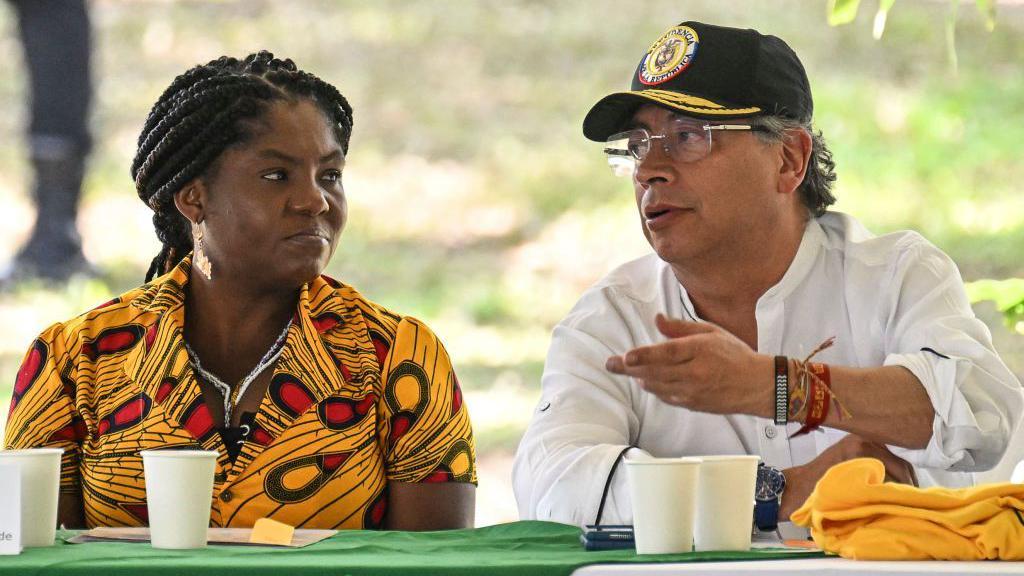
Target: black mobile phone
(607, 537)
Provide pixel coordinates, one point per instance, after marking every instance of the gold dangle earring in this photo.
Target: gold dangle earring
(199, 259)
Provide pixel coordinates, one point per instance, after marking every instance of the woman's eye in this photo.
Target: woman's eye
(275, 175)
(332, 175)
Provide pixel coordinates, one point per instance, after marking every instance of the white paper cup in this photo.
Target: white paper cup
(725, 502)
(179, 491)
(664, 494)
(40, 485)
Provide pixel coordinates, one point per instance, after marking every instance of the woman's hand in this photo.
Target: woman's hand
(70, 513)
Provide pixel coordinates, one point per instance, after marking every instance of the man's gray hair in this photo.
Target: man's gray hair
(816, 189)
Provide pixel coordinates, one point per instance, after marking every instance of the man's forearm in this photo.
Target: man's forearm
(888, 405)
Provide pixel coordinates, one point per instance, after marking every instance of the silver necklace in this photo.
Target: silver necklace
(230, 400)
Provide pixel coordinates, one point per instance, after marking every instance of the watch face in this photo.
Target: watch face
(770, 483)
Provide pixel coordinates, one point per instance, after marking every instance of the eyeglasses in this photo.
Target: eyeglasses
(685, 140)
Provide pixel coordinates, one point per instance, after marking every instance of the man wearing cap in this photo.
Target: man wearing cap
(763, 323)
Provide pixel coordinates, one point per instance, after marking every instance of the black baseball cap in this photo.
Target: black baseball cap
(710, 72)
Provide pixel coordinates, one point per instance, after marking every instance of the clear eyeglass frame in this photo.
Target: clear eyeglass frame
(685, 141)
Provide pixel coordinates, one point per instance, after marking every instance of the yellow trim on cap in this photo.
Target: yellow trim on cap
(691, 103)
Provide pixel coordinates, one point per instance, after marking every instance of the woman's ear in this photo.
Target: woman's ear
(796, 153)
(191, 200)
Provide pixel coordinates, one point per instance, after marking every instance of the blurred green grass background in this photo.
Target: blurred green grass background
(475, 202)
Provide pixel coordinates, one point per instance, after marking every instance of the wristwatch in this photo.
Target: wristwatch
(771, 483)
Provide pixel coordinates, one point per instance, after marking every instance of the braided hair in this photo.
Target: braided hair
(202, 113)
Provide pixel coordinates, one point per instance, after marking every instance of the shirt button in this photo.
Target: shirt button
(770, 432)
(226, 496)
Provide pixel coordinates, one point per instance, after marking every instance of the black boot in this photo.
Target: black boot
(54, 251)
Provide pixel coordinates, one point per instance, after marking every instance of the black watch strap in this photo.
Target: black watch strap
(781, 390)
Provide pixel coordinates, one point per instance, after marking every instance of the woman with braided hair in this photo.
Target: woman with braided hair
(328, 411)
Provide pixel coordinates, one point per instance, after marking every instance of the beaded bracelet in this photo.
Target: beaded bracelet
(810, 399)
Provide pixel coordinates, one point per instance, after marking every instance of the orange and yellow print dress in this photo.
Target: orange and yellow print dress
(359, 397)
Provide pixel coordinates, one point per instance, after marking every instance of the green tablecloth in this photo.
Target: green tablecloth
(516, 548)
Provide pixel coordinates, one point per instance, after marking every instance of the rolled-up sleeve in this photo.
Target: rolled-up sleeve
(583, 421)
(933, 333)
(42, 412)
(423, 421)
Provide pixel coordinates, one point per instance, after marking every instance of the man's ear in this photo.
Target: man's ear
(796, 153)
(191, 200)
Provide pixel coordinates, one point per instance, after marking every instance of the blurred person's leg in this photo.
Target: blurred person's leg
(56, 38)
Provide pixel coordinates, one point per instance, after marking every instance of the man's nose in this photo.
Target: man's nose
(657, 164)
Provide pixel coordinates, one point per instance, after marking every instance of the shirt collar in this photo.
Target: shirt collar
(807, 253)
(165, 292)
(162, 303)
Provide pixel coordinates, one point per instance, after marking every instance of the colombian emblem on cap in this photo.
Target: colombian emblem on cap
(669, 55)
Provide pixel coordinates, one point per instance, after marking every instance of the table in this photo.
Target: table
(817, 566)
(535, 548)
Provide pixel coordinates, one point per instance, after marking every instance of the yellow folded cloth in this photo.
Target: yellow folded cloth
(853, 512)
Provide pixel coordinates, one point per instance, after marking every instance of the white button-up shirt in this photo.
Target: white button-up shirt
(889, 300)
